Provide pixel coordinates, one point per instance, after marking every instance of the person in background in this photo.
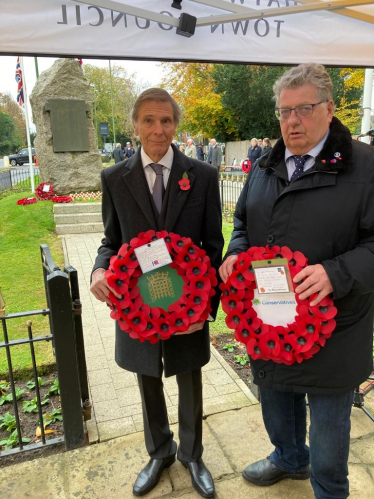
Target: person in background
(128, 150)
(314, 193)
(191, 149)
(259, 142)
(182, 149)
(215, 154)
(200, 152)
(254, 151)
(267, 147)
(117, 154)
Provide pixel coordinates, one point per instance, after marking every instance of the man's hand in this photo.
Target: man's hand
(194, 327)
(99, 287)
(315, 280)
(226, 268)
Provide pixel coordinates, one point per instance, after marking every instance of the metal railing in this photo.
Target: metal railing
(230, 189)
(66, 335)
(16, 178)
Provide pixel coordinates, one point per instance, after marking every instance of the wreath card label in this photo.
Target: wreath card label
(153, 255)
(272, 276)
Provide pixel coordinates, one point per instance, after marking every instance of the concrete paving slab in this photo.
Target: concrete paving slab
(361, 481)
(242, 436)
(363, 450)
(238, 488)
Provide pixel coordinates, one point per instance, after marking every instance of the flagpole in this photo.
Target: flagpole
(27, 126)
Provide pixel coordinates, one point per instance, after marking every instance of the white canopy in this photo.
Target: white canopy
(335, 32)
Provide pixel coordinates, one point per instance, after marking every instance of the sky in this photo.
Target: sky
(146, 71)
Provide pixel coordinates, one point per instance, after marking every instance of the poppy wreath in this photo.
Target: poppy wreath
(62, 199)
(44, 195)
(286, 345)
(246, 165)
(144, 322)
(25, 201)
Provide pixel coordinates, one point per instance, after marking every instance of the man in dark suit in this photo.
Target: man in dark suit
(128, 209)
(128, 150)
(117, 154)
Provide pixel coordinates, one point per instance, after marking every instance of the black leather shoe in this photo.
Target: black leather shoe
(201, 478)
(265, 473)
(150, 475)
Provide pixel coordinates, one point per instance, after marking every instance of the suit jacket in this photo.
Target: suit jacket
(128, 209)
(215, 156)
(129, 151)
(118, 155)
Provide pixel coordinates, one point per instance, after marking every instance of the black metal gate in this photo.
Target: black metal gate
(66, 334)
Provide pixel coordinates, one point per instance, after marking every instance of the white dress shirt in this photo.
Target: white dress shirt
(150, 174)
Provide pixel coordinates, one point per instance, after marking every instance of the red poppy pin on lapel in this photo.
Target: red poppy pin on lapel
(184, 182)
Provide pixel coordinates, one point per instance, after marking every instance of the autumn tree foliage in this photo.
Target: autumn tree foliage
(12, 109)
(192, 85)
(235, 101)
(125, 92)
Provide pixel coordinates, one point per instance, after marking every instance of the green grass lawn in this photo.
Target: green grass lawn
(22, 230)
(219, 325)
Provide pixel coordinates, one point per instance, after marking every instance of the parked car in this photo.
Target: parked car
(21, 157)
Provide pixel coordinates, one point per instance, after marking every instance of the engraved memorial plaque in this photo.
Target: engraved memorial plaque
(69, 124)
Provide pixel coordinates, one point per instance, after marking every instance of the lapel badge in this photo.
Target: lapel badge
(337, 154)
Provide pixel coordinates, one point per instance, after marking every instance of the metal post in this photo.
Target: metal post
(63, 333)
(79, 341)
(36, 67)
(111, 98)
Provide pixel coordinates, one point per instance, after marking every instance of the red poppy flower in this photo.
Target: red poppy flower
(325, 309)
(195, 269)
(237, 280)
(184, 184)
(327, 327)
(137, 320)
(270, 344)
(254, 350)
(298, 259)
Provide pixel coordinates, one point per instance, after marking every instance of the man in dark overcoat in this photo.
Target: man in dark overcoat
(128, 209)
(314, 193)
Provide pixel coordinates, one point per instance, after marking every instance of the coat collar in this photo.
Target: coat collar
(339, 141)
(134, 178)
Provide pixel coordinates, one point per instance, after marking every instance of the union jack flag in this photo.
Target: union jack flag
(19, 80)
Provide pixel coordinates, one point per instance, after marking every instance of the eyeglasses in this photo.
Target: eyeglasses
(305, 111)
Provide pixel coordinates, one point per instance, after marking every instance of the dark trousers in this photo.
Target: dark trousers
(284, 416)
(158, 436)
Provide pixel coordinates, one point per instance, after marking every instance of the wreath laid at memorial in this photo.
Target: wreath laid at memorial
(140, 320)
(25, 201)
(45, 191)
(62, 199)
(301, 339)
(246, 165)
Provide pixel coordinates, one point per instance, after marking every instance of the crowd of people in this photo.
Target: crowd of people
(313, 192)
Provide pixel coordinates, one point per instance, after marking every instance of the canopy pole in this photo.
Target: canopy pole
(366, 104)
(27, 126)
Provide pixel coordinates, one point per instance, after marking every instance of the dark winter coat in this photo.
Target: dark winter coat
(327, 214)
(266, 150)
(254, 154)
(128, 209)
(118, 155)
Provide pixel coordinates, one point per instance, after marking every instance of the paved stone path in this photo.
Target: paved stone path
(114, 392)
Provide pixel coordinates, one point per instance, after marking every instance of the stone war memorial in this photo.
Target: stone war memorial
(66, 141)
